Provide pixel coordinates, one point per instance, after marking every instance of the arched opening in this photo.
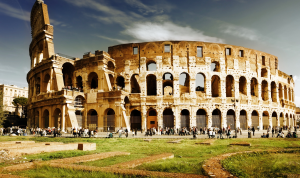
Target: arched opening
(109, 120)
(37, 119)
(264, 90)
(93, 80)
(135, 120)
(201, 119)
(92, 119)
(68, 70)
(231, 119)
(79, 102)
(168, 118)
(111, 66)
(264, 73)
(274, 119)
(243, 120)
(273, 92)
(290, 95)
(215, 66)
(46, 83)
(255, 119)
(200, 82)
(37, 85)
(46, 118)
(243, 85)
(216, 119)
(151, 66)
(134, 82)
(229, 86)
(167, 84)
(281, 119)
(265, 120)
(79, 115)
(120, 83)
(151, 85)
(184, 83)
(126, 100)
(152, 119)
(287, 119)
(292, 121)
(215, 86)
(185, 119)
(280, 91)
(285, 92)
(57, 118)
(111, 81)
(254, 87)
(79, 83)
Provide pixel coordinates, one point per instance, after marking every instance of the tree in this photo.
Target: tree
(20, 101)
(2, 115)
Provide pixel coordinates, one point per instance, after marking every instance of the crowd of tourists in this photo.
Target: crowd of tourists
(278, 132)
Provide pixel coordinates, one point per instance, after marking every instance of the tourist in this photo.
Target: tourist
(241, 131)
(209, 133)
(74, 132)
(273, 132)
(253, 130)
(126, 132)
(120, 132)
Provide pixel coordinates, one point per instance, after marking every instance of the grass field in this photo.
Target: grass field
(188, 156)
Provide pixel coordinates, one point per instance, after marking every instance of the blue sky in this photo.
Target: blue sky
(81, 26)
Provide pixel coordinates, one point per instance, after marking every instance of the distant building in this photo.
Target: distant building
(10, 92)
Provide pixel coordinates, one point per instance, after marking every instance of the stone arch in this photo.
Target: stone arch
(215, 66)
(255, 119)
(134, 82)
(273, 92)
(201, 118)
(135, 120)
(93, 80)
(243, 120)
(254, 87)
(168, 118)
(184, 82)
(281, 119)
(92, 119)
(216, 118)
(230, 85)
(68, 72)
(200, 82)
(290, 95)
(110, 66)
(265, 120)
(231, 119)
(264, 72)
(151, 85)
(126, 100)
(274, 119)
(243, 85)
(120, 81)
(168, 83)
(215, 86)
(264, 90)
(57, 118)
(79, 101)
(79, 83)
(46, 118)
(185, 118)
(46, 83)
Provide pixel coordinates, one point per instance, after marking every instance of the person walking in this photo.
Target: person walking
(253, 130)
(273, 132)
(120, 132)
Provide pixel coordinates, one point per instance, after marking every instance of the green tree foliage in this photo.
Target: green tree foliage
(20, 101)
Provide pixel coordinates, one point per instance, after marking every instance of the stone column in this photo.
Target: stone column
(237, 118)
(223, 119)
(176, 117)
(209, 119)
(259, 92)
(159, 87)
(63, 118)
(249, 119)
(144, 117)
(260, 121)
(270, 120)
(159, 118)
(222, 88)
(193, 117)
(269, 92)
(41, 122)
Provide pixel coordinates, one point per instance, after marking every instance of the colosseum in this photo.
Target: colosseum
(155, 84)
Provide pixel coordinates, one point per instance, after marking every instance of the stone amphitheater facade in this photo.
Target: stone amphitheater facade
(155, 84)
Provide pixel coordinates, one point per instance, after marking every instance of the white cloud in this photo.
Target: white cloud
(297, 101)
(111, 39)
(241, 32)
(144, 9)
(295, 78)
(14, 12)
(149, 31)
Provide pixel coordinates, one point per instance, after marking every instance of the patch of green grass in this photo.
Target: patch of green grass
(49, 172)
(189, 157)
(263, 164)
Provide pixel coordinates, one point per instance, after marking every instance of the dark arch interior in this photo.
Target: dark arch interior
(274, 114)
(201, 112)
(111, 112)
(135, 113)
(242, 112)
(230, 112)
(254, 113)
(185, 112)
(216, 112)
(121, 82)
(168, 112)
(152, 113)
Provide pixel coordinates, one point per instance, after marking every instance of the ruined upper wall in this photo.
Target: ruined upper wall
(188, 49)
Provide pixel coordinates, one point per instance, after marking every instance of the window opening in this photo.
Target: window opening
(135, 50)
(167, 48)
(228, 51)
(199, 51)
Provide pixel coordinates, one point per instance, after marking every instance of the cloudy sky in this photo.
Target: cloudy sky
(81, 26)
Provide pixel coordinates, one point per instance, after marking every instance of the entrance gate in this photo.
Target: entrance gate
(201, 121)
(216, 121)
(109, 123)
(168, 121)
(185, 121)
(243, 122)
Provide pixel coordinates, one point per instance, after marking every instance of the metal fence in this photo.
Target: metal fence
(79, 120)
(216, 121)
(109, 123)
(243, 122)
(136, 122)
(281, 121)
(201, 121)
(185, 121)
(274, 121)
(255, 121)
(265, 122)
(230, 121)
(92, 122)
(168, 121)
